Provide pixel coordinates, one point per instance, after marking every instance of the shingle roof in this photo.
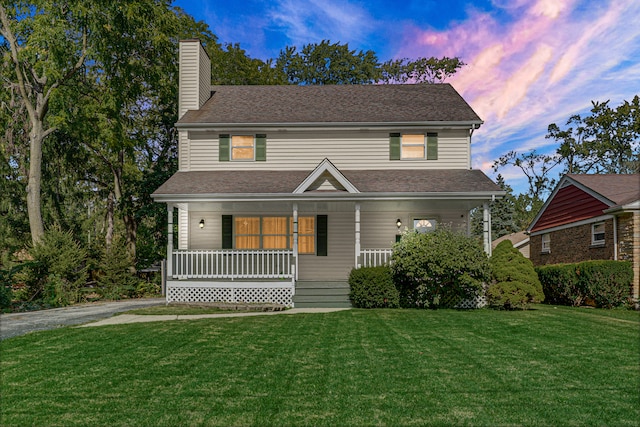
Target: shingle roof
(619, 188)
(366, 181)
(333, 104)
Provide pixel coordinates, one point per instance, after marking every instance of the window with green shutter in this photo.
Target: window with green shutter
(322, 232)
(223, 148)
(242, 148)
(394, 146)
(413, 146)
(432, 146)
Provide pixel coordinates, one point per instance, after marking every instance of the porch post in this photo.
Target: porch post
(486, 227)
(170, 241)
(357, 235)
(295, 239)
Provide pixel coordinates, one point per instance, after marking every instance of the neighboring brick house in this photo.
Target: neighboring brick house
(590, 217)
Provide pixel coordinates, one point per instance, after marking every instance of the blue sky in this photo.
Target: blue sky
(529, 62)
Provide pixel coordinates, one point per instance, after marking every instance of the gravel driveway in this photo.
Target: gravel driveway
(15, 324)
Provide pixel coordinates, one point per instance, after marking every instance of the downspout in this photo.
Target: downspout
(615, 238)
(169, 246)
(357, 245)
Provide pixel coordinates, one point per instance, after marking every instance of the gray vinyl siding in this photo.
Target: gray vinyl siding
(340, 257)
(209, 237)
(194, 77)
(347, 150)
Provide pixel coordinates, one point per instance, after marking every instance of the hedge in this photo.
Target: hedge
(606, 283)
(372, 287)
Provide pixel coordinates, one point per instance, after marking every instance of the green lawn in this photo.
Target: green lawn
(544, 367)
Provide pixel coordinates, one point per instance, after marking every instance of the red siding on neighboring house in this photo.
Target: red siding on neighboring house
(569, 205)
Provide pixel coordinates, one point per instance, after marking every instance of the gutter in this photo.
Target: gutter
(475, 124)
(257, 197)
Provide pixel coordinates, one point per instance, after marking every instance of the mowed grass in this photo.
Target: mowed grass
(543, 367)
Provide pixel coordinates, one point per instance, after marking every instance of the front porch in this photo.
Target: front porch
(248, 276)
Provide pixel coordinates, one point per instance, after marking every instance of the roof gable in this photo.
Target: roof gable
(580, 197)
(335, 104)
(325, 177)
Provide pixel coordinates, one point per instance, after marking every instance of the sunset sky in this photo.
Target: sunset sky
(529, 62)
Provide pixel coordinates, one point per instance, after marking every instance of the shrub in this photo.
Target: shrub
(560, 284)
(437, 269)
(372, 287)
(58, 270)
(515, 282)
(116, 278)
(606, 282)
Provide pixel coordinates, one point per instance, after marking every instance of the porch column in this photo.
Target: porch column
(295, 239)
(169, 241)
(486, 227)
(357, 235)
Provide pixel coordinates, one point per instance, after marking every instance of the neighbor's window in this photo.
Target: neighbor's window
(412, 146)
(597, 234)
(546, 242)
(242, 147)
(424, 225)
(274, 232)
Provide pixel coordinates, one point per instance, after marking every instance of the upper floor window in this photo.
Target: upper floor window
(597, 234)
(546, 242)
(242, 147)
(410, 146)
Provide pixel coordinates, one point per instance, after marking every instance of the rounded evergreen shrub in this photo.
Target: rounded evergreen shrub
(372, 287)
(515, 283)
(438, 269)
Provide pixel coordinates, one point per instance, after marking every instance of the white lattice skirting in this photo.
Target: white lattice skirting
(276, 293)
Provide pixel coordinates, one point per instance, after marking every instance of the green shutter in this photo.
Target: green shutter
(261, 148)
(223, 147)
(322, 235)
(227, 231)
(432, 146)
(394, 146)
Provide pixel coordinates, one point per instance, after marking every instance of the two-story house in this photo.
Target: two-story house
(282, 190)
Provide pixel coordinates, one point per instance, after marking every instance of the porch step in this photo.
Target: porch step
(310, 294)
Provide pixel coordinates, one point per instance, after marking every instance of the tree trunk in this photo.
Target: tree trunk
(35, 181)
(108, 238)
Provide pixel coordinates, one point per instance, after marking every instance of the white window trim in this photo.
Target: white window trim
(546, 243)
(423, 145)
(595, 242)
(231, 147)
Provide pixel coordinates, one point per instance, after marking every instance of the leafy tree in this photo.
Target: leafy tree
(44, 44)
(438, 269)
(605, 141)
(420, 70)
(327, 63)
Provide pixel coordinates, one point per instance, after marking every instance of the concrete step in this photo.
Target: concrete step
(322, 291)
(322, 305)
(312, 294)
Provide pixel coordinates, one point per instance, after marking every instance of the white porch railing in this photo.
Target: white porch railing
(375, 257)
(233, 264)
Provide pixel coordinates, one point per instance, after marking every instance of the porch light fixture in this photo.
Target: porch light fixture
(398, 223)
(202, 223)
